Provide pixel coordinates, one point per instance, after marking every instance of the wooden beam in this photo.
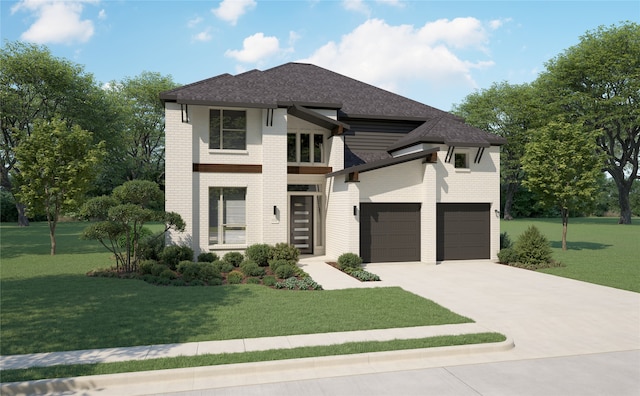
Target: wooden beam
(227, 168)
(308, 170)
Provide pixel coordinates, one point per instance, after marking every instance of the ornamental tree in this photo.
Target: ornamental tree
(57, 166)
(121, 217)
(563, 166)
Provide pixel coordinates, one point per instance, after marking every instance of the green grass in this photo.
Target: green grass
(49, 304)
(66, 371)
(599, 250)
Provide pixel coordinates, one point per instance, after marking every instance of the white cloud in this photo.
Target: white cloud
(255, 48)
(102, 15)
(498, 23)
(191, 23)
(356, 5)
(388, 56)
(395, 3)
(203, 36)
(231, 10)
(57, 21)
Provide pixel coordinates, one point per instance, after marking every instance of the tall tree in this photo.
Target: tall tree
(596, 83)
(34, 85)
(563, 166)
(57, 166)
(509, 111)
(143, 124)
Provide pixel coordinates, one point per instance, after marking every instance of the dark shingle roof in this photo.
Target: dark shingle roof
(450, 132)
(305, 85)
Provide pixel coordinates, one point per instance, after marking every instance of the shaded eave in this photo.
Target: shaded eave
(384, 163)
(318, 119)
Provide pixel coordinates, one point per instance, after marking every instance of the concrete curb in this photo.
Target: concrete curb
(195, 378)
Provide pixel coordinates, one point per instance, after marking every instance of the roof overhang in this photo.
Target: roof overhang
(336, 127)
(385, 162)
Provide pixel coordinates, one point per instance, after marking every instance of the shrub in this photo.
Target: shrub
(364, 276)
(349, 260)
(207, 257)
(533, 248)
(197, 282)
(284, 251)
(233, 258)
(250, 268)
(269, 280)
(174, 254)
(253, 281)
(208, 272)
(189, 270)
(274, 264)
(259, 253)
(285, 271)
(223, 266)
(178, 282)
(158, 268)
(234, 277)
(505, 241)
(151, 246)
(168, 274)
(215, 282)
(507, 255)
(145, 266)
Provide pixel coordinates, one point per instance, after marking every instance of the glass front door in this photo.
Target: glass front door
(301, 223)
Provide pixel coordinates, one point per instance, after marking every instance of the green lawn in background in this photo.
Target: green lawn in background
(599, 250)
(49, 304)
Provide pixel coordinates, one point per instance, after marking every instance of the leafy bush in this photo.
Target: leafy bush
(364, 276)
(208, 272)
(253, 281)
(274, 264)
(235, 277)
(144, 233)
(285, 271)
(223, 266)
(178, 282)
(168, 274)
(197, 282)
(533, 248)
(215, 282)
(189, 270)
(174, 254)
(204, 271)
(250, 268)
(234, 258)
(284, 251)
(259, 253)
(151, 246)
(269, 280)
(208, 257)
(349, 260)
(8, 210)
(505, 241)
(158, 268)
(507, 256)
(146, 266)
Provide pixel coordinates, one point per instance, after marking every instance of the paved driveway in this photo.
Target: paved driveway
(546, 315)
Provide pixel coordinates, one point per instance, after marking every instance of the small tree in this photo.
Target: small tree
(122, 216)
(57, 166)
(563, 165)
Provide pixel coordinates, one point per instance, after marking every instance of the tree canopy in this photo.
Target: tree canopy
(58, 163)
(596, 83)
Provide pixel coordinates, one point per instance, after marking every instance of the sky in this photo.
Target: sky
(435, 52)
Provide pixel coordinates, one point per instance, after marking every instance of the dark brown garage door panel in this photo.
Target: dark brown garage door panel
(389, 232)
(463, 231)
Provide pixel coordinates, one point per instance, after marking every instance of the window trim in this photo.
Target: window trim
(466, 160)
(312, 135)
(220, 237)
(221, 131)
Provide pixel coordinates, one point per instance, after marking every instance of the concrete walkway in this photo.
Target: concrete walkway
(545, 316)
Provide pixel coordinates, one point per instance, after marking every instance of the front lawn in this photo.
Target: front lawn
(599, 250)
(49, 304)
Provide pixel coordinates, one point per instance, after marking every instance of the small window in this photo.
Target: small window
(305, 148)
(460, 160)
(227, 129)
(227, 216)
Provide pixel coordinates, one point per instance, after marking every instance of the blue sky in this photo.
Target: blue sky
(436, 52)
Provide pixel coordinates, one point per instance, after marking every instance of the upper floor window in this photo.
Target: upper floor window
(460, 160)
(304, 147)
(227, 129)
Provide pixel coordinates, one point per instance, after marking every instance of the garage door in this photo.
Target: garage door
(463, 231)
(389, 232)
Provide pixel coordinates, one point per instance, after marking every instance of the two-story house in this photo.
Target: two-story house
(303, 155)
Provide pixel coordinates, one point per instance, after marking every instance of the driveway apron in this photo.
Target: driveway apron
(545, 315)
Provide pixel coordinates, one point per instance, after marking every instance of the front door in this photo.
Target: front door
(301, 223)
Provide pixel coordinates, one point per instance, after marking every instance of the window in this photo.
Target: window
(227, 216)
(460, 160)
(227, 129)
(305, 148)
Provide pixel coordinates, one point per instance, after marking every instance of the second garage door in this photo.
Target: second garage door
(463, 231)
(389, 232)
